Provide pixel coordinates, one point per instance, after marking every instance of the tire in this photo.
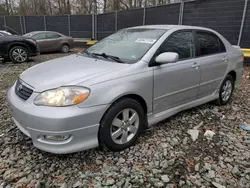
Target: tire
(117, 111)
(226, 91)
(65, 48)
(18, 54)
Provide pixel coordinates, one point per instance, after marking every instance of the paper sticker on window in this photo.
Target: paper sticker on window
(144, 40)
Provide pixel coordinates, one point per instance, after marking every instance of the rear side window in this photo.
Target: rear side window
(181, 43)
(209, 43)
(53, 35)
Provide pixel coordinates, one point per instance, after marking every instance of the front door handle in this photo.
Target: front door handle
(225, 59)
(195, 65)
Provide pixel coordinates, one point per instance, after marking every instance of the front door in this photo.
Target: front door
(41, 41)
(176, 83)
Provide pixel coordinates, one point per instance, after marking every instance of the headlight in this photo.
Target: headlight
(64, 96)
(32, 41)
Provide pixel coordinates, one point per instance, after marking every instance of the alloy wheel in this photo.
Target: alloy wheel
(124, 126)
(226, 90)
(19, 55)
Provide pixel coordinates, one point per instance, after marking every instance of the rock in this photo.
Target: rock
(185, 140)
(165, 178)
(217, 185)
(236, 171)
(98, 178)
(164, 145)
(174, 142)
(156, 171)
(39, 175)
(207, 166)
(110, 181)
(98, 162)
(211, 174)
(64, 185)
(193, 133)
(228, 160)
(231, 117)
(77, 184)
(23, 180)
(198, 126)
(171, 162)
(197, 167)
(121, 160)
(209, 134)
(6, 151)
(160, 184)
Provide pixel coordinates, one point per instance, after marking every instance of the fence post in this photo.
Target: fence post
(21, 24)
(242, 22)
(116, 20)
(4, 21)
(144, 16)
(24, 24)
(45, 24)
(93, 26)
(181, 13)
(69, 25)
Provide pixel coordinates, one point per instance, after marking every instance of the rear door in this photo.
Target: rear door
(213, 61)
(53, 41)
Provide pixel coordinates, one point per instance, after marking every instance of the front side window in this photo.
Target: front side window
(53, 36)
(208, 43)
(180, 43)
(130, 45)
(39, 36)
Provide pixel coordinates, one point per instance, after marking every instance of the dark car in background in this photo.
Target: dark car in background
(49, 41)
(17, 48)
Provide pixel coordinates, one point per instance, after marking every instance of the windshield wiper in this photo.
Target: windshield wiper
(90, 54)
(117, 59)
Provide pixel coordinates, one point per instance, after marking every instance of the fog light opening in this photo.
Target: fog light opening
(57, 137)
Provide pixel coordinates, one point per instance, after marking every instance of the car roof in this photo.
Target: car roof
(168, 27)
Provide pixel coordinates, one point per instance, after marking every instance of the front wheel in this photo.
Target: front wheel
(121, 125)
(18, 54)
(226, 90)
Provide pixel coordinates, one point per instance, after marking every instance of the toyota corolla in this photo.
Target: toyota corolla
(109, 93)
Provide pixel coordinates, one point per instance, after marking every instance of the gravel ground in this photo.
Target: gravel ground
(164, 156)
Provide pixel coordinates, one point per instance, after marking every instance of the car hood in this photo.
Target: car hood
(69, 70)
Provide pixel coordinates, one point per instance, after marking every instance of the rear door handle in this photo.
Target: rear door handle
(195, 65)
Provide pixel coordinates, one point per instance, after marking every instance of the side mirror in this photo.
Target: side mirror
(167, 57)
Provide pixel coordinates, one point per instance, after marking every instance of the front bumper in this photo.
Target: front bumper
(81, 124)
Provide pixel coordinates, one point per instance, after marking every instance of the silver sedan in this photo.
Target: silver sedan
(49, 41)
(129, 81)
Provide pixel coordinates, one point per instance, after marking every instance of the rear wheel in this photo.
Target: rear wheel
(65, 48)
(121, 125)
(18, 54)
(226, 90)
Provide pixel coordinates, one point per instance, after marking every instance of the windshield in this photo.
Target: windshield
(129, 45)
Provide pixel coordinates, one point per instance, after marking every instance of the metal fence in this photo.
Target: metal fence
(229, 17)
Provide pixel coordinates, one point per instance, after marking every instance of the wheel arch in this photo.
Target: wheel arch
(233, 74)
(12, 45)
(137, 98)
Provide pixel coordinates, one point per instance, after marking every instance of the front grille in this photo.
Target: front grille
(22, 91)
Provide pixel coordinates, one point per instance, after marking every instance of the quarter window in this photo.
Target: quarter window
(181, 43)
(209, 44)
